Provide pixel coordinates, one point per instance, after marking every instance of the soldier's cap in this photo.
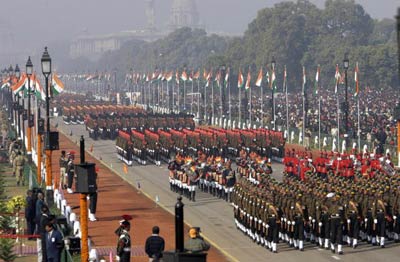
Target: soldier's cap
(126, 217)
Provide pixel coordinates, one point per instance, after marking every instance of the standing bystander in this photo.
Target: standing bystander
(155, 245)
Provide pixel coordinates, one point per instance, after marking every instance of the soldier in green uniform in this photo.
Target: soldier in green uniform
(336, 230)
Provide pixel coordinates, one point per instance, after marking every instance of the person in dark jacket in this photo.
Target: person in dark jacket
(155, 245)
(54, 243)
(30, 213)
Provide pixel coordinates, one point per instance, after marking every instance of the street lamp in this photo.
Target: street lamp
(346, 105)
(273, 64)
(46, 70)
(10, 96)
(29, 71)
(17, 72)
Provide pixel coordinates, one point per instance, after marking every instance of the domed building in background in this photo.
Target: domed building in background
(184, 14)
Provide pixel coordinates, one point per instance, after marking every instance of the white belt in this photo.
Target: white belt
(127, 249)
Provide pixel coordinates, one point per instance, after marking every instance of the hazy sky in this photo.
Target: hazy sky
(40, 22)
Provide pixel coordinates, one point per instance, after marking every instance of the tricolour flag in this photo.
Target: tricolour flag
(169, 76)
(218, 78)
(196, 75)
(56, 85)
(20, 85)
(273, 80)
(248, 80)
(356, 80)
(259, 78)
(209, 77)
(337, 78)
(5, 83)
(184, 76)
(284, 80)
(226, 80)
(38, 89)
(177, 77)
(316, 87)
(240, 79)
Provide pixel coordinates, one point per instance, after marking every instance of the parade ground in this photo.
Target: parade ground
(214, 216)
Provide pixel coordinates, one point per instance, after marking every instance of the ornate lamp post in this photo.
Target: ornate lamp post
(29, 71)
(10, 98)
(46, 70)
(18, 109)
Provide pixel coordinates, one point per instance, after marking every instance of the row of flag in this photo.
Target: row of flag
(269, 77)
(23, 85)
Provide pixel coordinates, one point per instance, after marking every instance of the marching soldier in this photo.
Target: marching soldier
(19, 163)
(353, 223)
(336, 230)
(299, 225)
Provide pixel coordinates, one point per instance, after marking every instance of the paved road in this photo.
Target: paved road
(214, 216)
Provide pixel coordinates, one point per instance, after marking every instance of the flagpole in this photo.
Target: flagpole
(250, 108)
(287, 107)
(230, 105)
(240, 102)
(262, 105)
(338, 121)
(191, 104)
(168, 101)
(173, 97)
(205, 101)
(358, 124)
(319, 121)
(184, 95)
(220, 94)
(198, 98)
(212, 102)
(304, 106)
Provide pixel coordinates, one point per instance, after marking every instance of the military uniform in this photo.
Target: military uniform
(19, 163)
(124, 244)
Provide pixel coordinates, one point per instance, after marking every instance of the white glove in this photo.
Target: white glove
(285, 219)
(117, 258)
(263, 223)
(375, 221)
(313, 220)
(348, 221)
(309, 218)
(366, 220)
(289, 223)
(394, 217)
(267, 226)
(293, 223)
(320, 224)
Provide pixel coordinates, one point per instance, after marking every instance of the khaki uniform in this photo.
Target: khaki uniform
(19, 163)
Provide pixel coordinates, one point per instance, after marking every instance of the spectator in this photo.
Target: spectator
(155, 245)
(30, 213)
(196, 243)
(54, 243)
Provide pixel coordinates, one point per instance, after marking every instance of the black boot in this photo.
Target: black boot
(194, 196)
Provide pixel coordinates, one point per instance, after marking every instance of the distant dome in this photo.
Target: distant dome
(184, 13)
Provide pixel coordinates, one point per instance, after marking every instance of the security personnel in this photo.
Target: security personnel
(70, 172)
(19, 163)
(63, 168)
(124, 243)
